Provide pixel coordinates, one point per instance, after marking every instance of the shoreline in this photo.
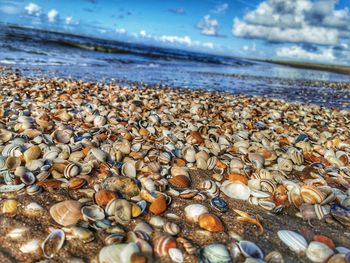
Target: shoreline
(97, 138)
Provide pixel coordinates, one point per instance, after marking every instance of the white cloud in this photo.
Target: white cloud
(9, 9)
(220, 9)
(52, 15)
(33, 9)
(143, 33)
(120, 30)
(297, 52)
(208, 26)
(316, 22)
(69, 20)
(185, 40)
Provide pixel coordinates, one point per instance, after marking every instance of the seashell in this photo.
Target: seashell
(100, 155)
(33, 208)
(214, 253)
(180, 182)
(9, 207)
(337, 258)
(128, 170)
(92, 213)
(122, 211)
(211, 162)
(325, 240)
(219, 204)
(76, 183)
(189, 154)
(99, 121)
(210, 222)
(5, 135)
(11, 150)
(71, 170)
(235, 190)
(66, 213)
(53, 243)
(17, 233)
(171, 228)
(164, 158)
(118, 253)
(103, 197)
(32, 153)
(274, 257)
(201, 163)
(163, 243)
(321, 211)
(11, 188)
(28, 178)
(256, 159)
(62, 136)
(210, 188)
(318, 252)
(237, 177)
(51, 153)
(193, 211)
(341, 213)
(296, 155)
(176, 255)
(250, 249)
(294, 196)
(267, 205)
(159, 205)
(157, 221)
(176, 170)
(30, 247)
(12, 163)
(267, 185)
(343, 157)
(293, 240)
(188, 194)
(285, 164)
(189, 247)
(280, 195)
(311, 195)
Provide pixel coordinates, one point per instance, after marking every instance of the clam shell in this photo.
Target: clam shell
(250, 249)
(180, 182)
(122, 211)
(118, 253)
(66, 213)
(71, 170)
(53, 243)
(193, 211)
(285, 164)
(100, 155)
(163, 243)
(159, 205)
(210, 222)
(176, 255)
(128, 170)
(219, 204)
(235, 190)
(171, 228)
(311, 195)
(92, 213)
(296, 155)
(12, 162)
(210, 188)
(293, 240)
(62, 136)
(318, 252)
(5, 135)
(32, 153)
(9, 206)
(214, 253)
(103, 197)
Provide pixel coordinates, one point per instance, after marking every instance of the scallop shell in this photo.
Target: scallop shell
(193, 211)
(53, 243)
(66, 213)
(180, 182)
(293, 240)
(235, 190)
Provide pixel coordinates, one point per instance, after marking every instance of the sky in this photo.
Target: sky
(307, 30)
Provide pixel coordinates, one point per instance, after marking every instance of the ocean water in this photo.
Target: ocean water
(39, 54)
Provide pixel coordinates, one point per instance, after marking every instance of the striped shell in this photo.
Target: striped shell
(180, 182)
(163, 243)
(311, 195)
(210, 188)
(71, 170)
(293, 240)
(171, 228)
(66, 213)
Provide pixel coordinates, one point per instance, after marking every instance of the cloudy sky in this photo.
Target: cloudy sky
(315, 30)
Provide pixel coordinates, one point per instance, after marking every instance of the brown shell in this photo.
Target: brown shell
(210, 222)
(76, 183)
(180, 181)
(66, 213)
(159, 205)
(237, 177)
(103, 197)
(163, 243)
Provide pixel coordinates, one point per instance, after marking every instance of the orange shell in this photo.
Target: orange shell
(103, 197)
(180, 181)
(210, 222)
(159, 205)
(237, 177)
(76, 183)
(163, 243)
(325, 240)
(197, 137)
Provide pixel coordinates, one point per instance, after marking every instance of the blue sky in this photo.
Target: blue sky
(315, 30)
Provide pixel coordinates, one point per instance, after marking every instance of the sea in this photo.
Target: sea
(38, 53)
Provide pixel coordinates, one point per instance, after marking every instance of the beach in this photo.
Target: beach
(94, 170)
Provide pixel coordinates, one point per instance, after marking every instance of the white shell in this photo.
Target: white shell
(176, 255)
(235, 190)
(118, 253)
(30, 247)
(16, 233)
(192, 212)
(318, 252)
(293, 240)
